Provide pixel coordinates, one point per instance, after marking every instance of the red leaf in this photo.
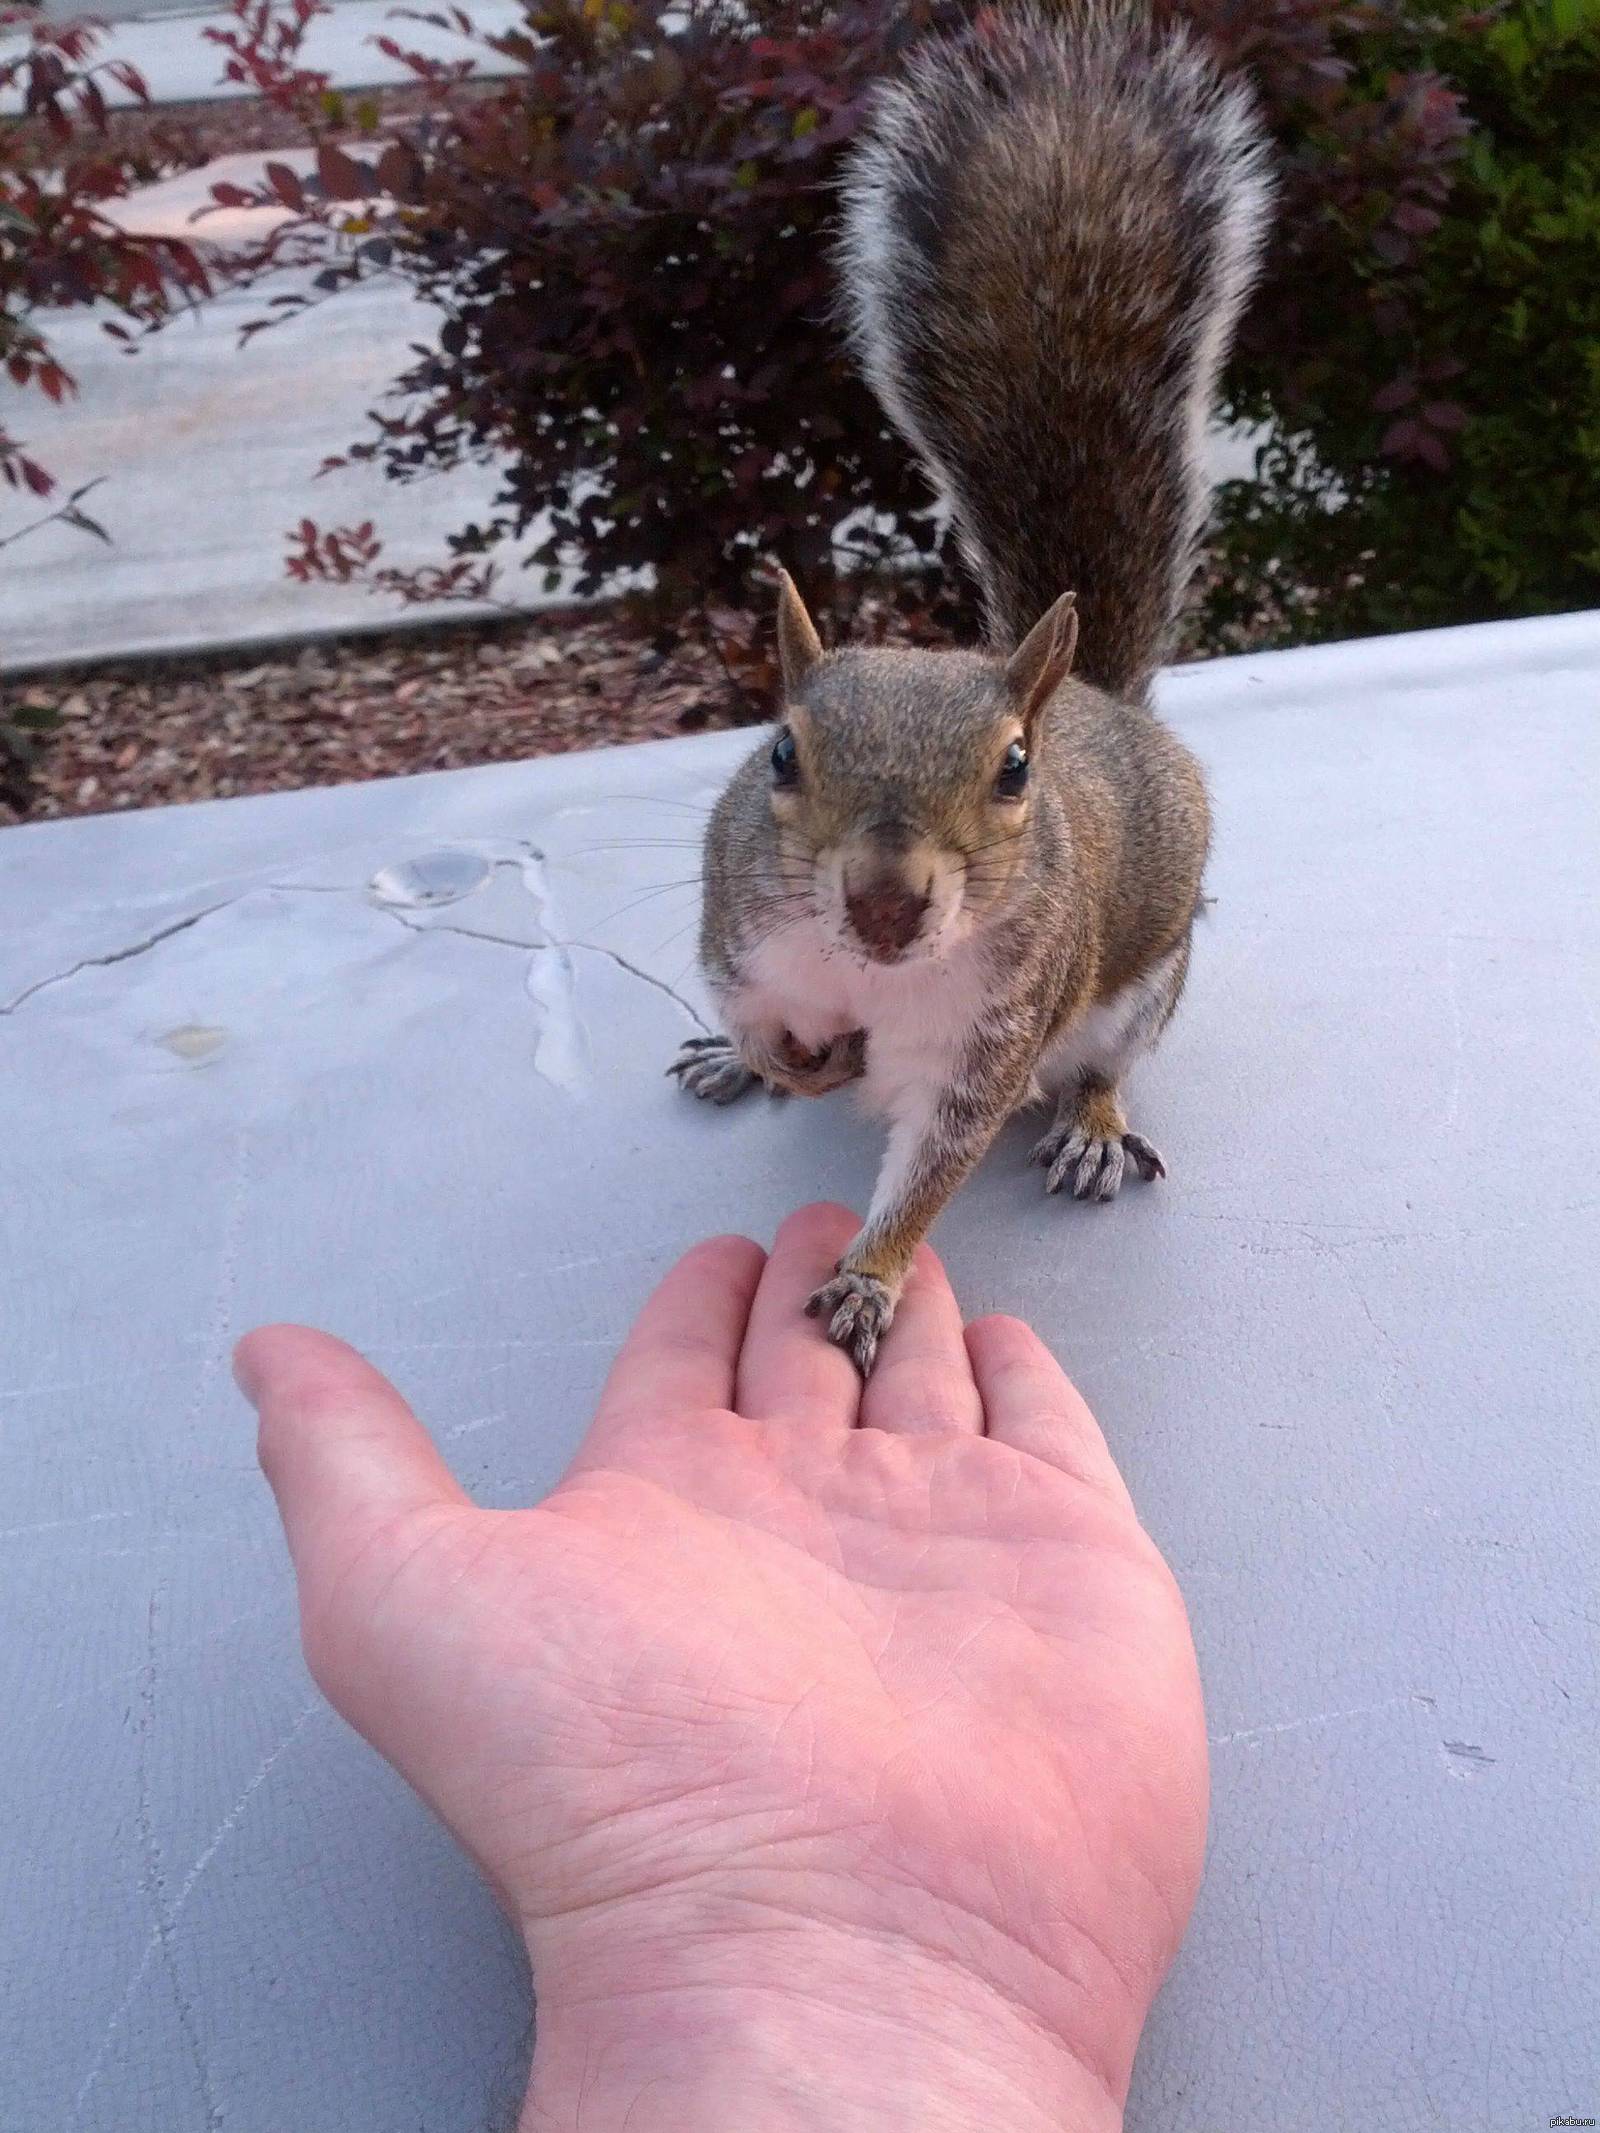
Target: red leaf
(1414, 220)
(287, 186)
(398, 170)
(340, 176)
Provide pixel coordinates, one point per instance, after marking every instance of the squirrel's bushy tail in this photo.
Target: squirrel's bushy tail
(1051, 223)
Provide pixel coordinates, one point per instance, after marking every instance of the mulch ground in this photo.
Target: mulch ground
(157, 732)
(147, 733)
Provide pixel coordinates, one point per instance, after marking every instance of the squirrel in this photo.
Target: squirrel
(968, 879)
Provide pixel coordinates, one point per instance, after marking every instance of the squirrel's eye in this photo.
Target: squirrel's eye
(785, 761)
(1013, 773)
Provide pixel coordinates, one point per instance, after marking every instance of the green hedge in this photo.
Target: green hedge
(1444, 464)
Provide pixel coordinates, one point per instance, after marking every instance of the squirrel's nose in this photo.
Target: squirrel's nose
(885, 916)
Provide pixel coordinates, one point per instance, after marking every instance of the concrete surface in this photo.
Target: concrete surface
(208, 454)
(181, 66)
(1346, 1354)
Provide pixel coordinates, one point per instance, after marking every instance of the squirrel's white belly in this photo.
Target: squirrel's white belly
(917, 1015)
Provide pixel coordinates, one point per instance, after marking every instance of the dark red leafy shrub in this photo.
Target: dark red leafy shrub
(628, 246)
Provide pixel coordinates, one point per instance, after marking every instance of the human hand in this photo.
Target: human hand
(843, 1765)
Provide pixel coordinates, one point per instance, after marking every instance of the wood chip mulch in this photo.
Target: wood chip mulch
(144, 733)
(209, 726)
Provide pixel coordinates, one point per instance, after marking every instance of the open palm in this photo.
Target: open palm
(785, 1668)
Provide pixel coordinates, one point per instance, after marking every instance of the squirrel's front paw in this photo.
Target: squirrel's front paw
(711, 1068)
(804, 1073)
(719, 1071)
(858, 1309)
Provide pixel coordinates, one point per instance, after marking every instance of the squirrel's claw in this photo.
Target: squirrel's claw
(858, 1309)
(1144, 1158)
(710, 1068)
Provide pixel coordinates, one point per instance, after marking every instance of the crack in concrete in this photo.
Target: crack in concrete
(465, 933)
(503, 940)
(1314, 1718)
(153, 1879)
(411, 925)
(170, 1913)
(117, 955)
(648, 977)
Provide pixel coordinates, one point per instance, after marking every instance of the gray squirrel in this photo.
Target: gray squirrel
(967, 879)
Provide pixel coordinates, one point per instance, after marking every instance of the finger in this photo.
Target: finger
(922, 1383)
(1030, 1403)
(789, 1372)
(684, 1347)
(342, 1450)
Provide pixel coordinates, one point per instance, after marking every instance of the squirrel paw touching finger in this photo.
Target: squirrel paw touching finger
(1095, 1164)
(858, 1309)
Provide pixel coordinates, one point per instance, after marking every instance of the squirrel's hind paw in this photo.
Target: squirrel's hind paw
(858, 1309)
(710, 1068)
(1095, 1165)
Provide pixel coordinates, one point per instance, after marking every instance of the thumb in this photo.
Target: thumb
(343, 1452)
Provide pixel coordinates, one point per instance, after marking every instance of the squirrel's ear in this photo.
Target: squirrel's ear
(1043, 660)
(799, 646)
